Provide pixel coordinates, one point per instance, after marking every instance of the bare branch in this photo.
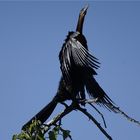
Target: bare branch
(59, 117)
(76, 105)
(69, 109)
(100, 114)
(94, 121)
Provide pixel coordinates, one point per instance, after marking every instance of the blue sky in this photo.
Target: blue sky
(31, 36)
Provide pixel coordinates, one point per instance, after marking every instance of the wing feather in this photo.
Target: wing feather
(88, 59)
(74, 53)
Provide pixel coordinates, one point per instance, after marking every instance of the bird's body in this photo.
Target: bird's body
(78, 70)
(75, 63)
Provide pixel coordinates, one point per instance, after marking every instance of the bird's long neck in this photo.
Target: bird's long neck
(80, 23)
(81, 20)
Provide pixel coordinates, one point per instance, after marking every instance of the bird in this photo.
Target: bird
(78, 67)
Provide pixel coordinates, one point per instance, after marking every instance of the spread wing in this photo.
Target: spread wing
(74, 53)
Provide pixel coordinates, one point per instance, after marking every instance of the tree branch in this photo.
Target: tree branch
(76, 106)
(59, 117)
(95, 122)
(100, 114)
(69, 109)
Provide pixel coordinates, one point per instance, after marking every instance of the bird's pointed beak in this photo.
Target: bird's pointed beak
(84, 10)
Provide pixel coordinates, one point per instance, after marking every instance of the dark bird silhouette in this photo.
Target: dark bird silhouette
(78, 69)
(78, 66)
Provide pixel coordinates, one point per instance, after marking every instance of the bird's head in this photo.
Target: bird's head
(84, 11)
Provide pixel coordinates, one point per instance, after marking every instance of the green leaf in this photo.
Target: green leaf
(52, 135)
(14, 137)
(66, 134)
(40, 137)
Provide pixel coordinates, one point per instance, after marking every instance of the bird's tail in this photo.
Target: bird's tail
(44, 114)
(95, 91)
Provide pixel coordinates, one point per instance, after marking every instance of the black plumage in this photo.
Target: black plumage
(78, 69)
(78, 66)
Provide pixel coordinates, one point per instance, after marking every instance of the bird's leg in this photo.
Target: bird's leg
(80, 101)
(84, 101)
